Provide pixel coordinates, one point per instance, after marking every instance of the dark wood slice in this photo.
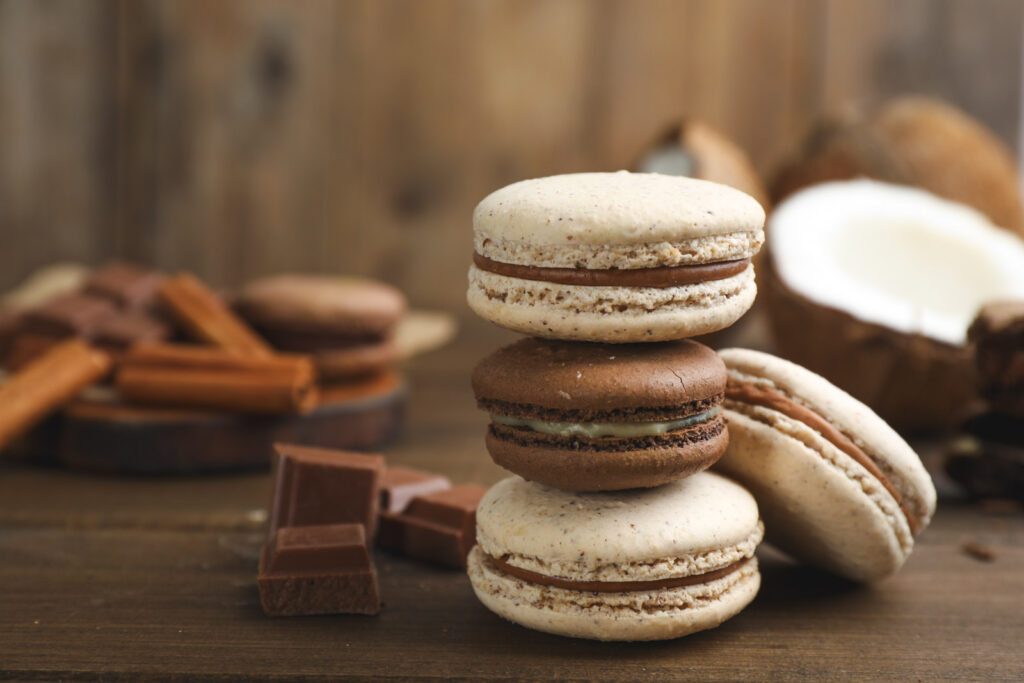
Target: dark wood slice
(106, 436)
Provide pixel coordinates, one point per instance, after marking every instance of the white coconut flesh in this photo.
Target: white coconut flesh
(895, 256)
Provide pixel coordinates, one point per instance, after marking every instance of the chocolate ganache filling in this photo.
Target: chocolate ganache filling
(660, 277)
(614, 586)
(751, 394)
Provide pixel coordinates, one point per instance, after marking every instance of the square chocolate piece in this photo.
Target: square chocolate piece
(997, 334)
(324, 486)
(322, 569)
(438, 527)
(69, 314)
(399, 485)
(126, 285)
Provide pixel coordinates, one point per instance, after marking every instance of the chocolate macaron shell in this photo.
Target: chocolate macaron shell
(581, 381)
(837, 486)
(622, 464)
(322, 304)
(633, 565)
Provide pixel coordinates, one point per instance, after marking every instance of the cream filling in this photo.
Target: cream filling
(596, 430)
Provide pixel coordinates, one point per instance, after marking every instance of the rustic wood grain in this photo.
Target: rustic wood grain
(240, 138)
(55, 130)
(154, 578)
(158, 604)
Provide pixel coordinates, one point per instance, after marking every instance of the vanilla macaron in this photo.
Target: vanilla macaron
(644, 564)
(614, 257)
(838, 488)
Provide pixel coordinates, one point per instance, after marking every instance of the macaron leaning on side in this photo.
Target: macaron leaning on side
(646, 564)
(603, 417)
(614, 257)
(838, 488)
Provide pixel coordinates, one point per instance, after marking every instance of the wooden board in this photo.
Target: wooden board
(154, 579)
(123, 439)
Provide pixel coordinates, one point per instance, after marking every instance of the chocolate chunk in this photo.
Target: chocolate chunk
(126, 285)
(324, 569)
(399, 485)
(979, 552)
(126, 328)
(438, 527)
(998, 338)
(989, 461)
(69, 314)
(315, 486)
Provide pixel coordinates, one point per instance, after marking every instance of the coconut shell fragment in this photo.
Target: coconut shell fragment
(696, 149)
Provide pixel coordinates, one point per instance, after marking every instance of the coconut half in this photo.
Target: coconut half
(874, 285)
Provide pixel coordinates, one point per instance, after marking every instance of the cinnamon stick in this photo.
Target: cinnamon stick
(47, 383)
(208, 319)
(204, 377)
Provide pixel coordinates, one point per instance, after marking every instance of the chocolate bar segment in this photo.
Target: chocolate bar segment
(315, 486)
(399, 485)
(998, 338)
(69, 314)
(127, 285)
(324, 569)
(438, 527)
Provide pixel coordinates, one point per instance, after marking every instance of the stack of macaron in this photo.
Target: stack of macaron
(608, 414)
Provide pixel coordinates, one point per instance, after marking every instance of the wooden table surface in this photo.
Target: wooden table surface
(154, 578)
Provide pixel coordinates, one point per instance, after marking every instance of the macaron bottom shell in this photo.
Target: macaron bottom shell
(628, 616)
(633, 464)
(818, 504)
(610, 314)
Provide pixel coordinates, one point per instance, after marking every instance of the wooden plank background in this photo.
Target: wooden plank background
(237, 138)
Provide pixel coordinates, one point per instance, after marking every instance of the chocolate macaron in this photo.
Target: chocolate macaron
(603, 417)
(837, 487)
(614, 257)
(646, 564)
(346, 323)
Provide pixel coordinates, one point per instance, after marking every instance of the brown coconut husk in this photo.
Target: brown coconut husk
(915, 383)
(915, 141)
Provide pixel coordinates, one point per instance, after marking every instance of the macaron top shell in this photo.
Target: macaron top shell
(893, 456)
(692, 526)
(322, 303)
(585, 378)
(614, 208)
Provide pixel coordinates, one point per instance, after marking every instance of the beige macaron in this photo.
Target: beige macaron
(838, 488)
(643, 564)
(614, 257)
